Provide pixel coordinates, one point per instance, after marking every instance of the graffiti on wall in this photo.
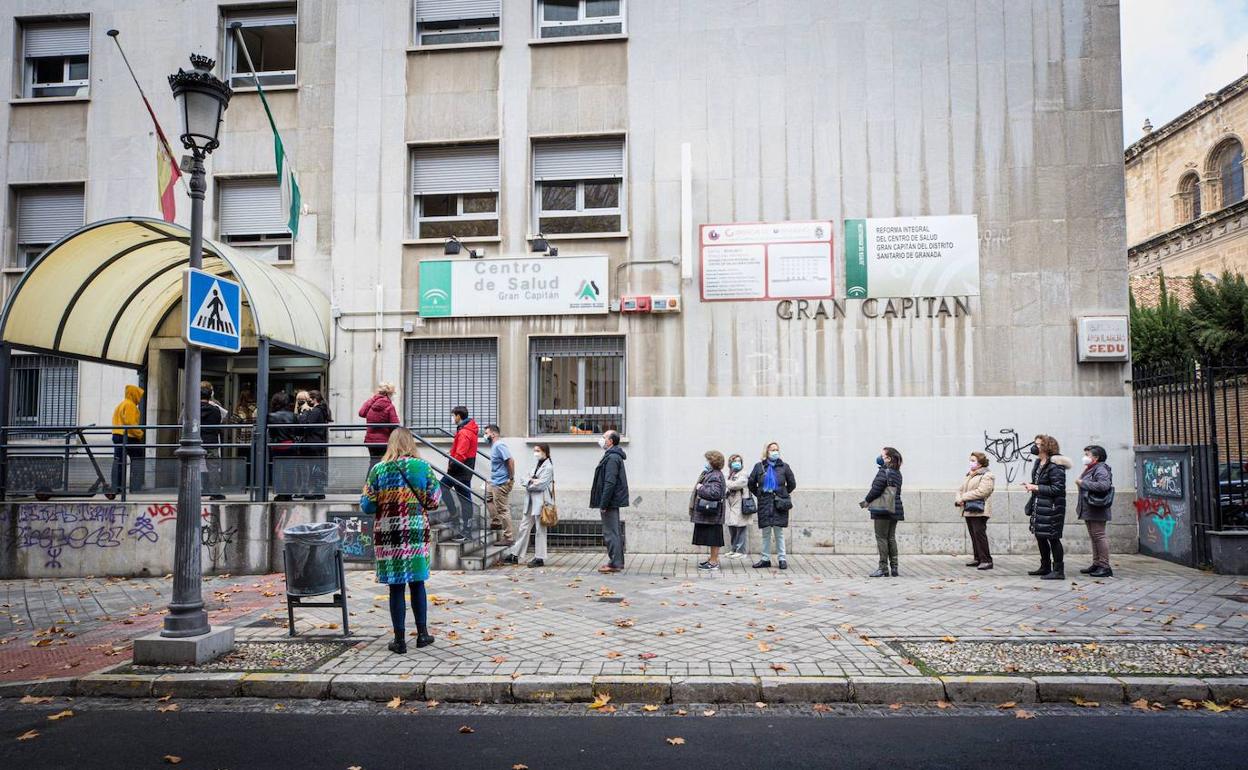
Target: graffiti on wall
(1163, 477)
(162, 512)
(1008, 450)
(357, 535)
(1157, 521)
(55, 527)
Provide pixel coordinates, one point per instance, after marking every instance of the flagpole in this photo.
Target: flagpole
(114, 34)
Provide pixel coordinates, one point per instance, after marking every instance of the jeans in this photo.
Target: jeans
(1100, 543)
(500, 513)
(529, 524)
(739, 535)
(459, 479)
(132, 452)
(1050, 553)
(612, 537)
(776, 534)
(978, 527)
(420, 608)
(886, 541)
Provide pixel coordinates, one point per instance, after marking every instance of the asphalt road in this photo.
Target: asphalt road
(135, 739)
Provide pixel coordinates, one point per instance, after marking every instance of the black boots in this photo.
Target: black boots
(1044, 570)
(423, 640)
(1101, 572)
(1057, 574)
(398, 646)
(894, 570)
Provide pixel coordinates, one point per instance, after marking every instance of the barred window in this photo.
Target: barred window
(44, 391)
(445, 373)
(576, 385)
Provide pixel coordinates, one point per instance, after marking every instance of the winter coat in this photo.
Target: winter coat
(710, 486)
(377, 411)
(886, 477)
(127, 413)
(209, 415)
(1097, 478)
(464, 447)
(317, 414)
(1047, 506)
(540, 488)
(735, 488)
(977, 485)
(610, 487)
(401, 518)
(279, 433)
(768, 514)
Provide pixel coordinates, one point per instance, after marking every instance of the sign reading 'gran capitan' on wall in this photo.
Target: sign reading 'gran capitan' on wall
(912, 257)
(510, 287)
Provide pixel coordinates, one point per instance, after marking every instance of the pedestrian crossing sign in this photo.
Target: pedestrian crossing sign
(212, 307)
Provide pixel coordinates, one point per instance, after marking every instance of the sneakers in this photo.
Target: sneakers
(607, 569)
(985, 566)
(784, 564)
(734, 555)
(536, 563)
(511, 558)
(459, 537)
(762, 564)
(972, 564)
(709, 566)
(880, 572)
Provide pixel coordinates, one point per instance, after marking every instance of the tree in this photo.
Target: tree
(1218, 316)
(1161, 335)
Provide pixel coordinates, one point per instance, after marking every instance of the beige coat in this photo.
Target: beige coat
(977, 485)
(735, 486)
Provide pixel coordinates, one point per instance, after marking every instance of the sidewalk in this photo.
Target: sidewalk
(661, 631)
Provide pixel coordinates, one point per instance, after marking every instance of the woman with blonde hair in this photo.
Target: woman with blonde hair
(772, 482)
(379, 412)
(400, 491)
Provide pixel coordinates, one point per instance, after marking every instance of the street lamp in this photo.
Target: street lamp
(202, 100)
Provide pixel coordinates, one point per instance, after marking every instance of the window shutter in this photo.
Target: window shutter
(445, 373)
(46, 214)
(454, 10)
(262, 16)
(251, 207)
(578, 159)
(57, 39)
(455, 169)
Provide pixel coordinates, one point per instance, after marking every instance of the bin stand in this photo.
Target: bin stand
(340, 598)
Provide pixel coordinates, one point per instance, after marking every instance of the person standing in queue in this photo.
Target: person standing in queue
(883, 502)
(609, 493)
(1096, 500)
(540, 487)
(740, 506)
(706, 509)
(972, 501)
(381, 416)
(459, 472)
(1047, 506)
(772, 483)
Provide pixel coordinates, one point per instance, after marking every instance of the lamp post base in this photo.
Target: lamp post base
(158, 650)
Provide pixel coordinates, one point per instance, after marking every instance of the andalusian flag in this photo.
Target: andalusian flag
(285, 170)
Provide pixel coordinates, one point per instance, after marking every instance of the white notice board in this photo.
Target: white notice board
(766, 261)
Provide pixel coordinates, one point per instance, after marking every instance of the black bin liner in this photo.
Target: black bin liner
(311, 568)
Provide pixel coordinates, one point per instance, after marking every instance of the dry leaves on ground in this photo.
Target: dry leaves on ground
(764, 647)
(612, 655)
(1209, 705)
(943, 704)
(169, 707)
(29, 734)
(779, 667)
(711, 712)
(648, 655)
(173, 759)
(894, 706)
(432, 704)
(822, 708)
(649, 707)
(1009, 704)
(602, 700)
(1082, 703)
(34, 699)
(498, 659)
(394, 702)
(1143, 705)
(624, 622)
(677, 741)
(465, 729)
(1024, 714)
(948, 639)
(66, 713)
(1188, 705)
(519, 766)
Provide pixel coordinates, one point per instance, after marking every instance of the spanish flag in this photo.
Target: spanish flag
(167, 171)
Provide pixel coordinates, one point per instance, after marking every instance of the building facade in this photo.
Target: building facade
(1186, 208)
(616, 130)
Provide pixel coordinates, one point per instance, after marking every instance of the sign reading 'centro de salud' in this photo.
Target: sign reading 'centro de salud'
(513, 287)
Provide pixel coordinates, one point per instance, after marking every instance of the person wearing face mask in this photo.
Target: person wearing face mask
(609, 493)
(1047, 506)
(737, 511)
(1096, 499)
(502, 479)
(541, 491)
(463, 458)
(972, 500)
(706, 509)
(885, 513)
(772, 483)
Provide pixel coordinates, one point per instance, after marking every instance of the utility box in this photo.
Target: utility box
(635, 304)
(665, 303)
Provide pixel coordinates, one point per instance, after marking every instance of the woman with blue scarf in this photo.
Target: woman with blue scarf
(772, 483)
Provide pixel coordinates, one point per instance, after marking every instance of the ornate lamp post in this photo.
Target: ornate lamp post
(202, 100)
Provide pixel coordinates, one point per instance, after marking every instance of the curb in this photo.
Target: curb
(642, 689)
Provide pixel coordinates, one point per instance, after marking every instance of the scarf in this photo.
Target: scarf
(770, 482)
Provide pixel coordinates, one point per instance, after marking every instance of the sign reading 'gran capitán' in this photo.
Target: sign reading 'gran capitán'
(912, 257)
(506, 287)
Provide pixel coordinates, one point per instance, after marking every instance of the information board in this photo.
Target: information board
(766, 261)
(912, 257)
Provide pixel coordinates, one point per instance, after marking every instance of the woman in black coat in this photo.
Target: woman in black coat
(772, 483)
(885, 517)
(706, 509)
(281, 440)
(315, 438)
(1047, 506)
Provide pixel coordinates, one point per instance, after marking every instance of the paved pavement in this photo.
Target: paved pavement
(660, 616)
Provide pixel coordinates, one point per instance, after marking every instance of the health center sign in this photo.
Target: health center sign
(511, 287)
(912, 257)
(762, 261)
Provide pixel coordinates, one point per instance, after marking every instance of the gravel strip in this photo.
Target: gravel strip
(1190, 658)
(259, 656)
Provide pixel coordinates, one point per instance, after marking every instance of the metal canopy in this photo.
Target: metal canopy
(101, 292)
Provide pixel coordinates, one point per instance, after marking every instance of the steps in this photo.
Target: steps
(446, 554)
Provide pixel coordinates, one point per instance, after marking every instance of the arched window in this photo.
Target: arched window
(1188, 207)
(1226, 168)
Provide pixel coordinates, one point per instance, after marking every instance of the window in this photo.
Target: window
(1188, 201)
(443, 374)
(576, 18)
(44, 391)
(250, 213)
(271, 40)
(579, 186)
(577, 385)
(447, 22)
(44, 216)
(455, 191)
(56, 58)
(1228, 165)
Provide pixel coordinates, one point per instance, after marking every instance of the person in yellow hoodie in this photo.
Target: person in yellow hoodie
(128, 441)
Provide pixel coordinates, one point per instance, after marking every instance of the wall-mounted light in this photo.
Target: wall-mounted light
(539, 243)
(553, 251)
(453, 245)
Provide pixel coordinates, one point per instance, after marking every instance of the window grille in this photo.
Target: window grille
(577, 385)
(445, 373)
(44, 391)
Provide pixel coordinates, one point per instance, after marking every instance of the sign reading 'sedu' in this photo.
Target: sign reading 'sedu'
(509, 287)
(912, 257)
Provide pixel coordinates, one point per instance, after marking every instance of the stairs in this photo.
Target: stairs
(445, 554)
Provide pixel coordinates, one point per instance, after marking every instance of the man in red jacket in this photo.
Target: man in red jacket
(459, 471)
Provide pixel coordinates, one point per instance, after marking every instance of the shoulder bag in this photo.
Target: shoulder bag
(886, 502)
(749, 506)
(549, 516)
(973, 506)
(1101, 499)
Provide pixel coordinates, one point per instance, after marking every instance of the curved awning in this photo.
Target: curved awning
(101, 292)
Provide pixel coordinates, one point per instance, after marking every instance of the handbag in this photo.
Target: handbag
(886, 502)
(749, 506)
(549, 516)
(707, 507)
(1101, 499)
(973, 506)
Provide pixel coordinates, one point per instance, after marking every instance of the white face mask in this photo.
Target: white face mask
(602, 442)
(1087, 460)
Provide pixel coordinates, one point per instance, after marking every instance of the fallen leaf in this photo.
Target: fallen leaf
(28, 735)
(394, 702)
(1199, 626)
(60, 715)
(1188, 705)
(602, 700)
(681, 712)
(169, 707)
(623, 622)
(894, 706)
(1024, 714)
(822, 708)
(1009, 704)
(173, 759)
(519, 766)
(432, 704)
(711, 712)
(41, 643)
(649, 707)
(648, 655)
(779, 667)
(943, 704)
(165, 699)
(1087, 704)
(28, 699)
(676, 741)
(465, 729)
(498, 659)
(1209, 705)
(949, 639)
(612, 655)
(761, 705)
(764, 647)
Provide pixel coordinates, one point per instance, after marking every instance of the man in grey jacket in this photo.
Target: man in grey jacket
(609, 494)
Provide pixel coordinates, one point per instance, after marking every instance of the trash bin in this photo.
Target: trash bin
(311, 562)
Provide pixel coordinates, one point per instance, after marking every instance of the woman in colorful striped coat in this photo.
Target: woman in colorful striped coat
(400, 491)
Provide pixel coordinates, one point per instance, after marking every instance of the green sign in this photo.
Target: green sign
(912, 257)
(435, 289)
